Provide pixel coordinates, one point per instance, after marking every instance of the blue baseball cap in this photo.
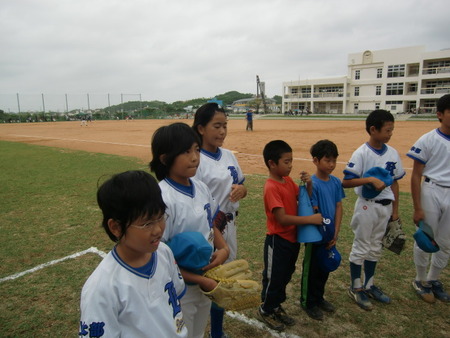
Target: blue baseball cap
(191, 250)
(425, 238)
(368, 190)
(328, 259)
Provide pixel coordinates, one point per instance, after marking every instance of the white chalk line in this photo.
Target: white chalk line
(259, 325)
(146, 145)
(86, 141)
(44, 265)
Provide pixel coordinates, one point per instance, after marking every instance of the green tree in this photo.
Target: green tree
(278, 99)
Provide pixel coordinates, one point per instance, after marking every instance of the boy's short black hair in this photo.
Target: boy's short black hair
(443, 103)
(274, 150)
(378, 118)
(127, 196)
(324, 148)
(204, 114)
(171, 141)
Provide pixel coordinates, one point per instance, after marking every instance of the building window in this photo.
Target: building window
(412, 88)
(394, 89)
(379, 73)
(356, 91)
(355, 107)
(377, 106)
(378, 90)
(294, 90)
(357, 74)
(435, 67)
(396, 71)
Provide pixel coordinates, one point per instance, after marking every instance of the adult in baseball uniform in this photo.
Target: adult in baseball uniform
(430, 188)
(190, 207)
(221, 172)
(135, 290)
(376, 204)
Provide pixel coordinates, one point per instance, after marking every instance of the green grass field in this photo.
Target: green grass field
(48, 211)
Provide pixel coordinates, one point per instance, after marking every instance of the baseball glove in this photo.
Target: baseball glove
(394, 237)
(234, 291)
(220, 221)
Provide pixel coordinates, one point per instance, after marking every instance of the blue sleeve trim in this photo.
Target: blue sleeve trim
(416, 159)
(349, 175)
(182, 293)
(399, 178)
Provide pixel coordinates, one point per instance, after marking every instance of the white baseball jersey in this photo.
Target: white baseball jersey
(219, 171)
(118, 300)
(190, 208)
(366, 157)
(433, 150)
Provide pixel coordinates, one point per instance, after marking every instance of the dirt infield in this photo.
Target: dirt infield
(132, 138)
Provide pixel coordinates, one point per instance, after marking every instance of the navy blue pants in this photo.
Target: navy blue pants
(280, 257)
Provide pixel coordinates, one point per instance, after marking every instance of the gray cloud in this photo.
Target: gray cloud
(185, 49)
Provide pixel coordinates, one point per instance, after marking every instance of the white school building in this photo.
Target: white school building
(400, 80)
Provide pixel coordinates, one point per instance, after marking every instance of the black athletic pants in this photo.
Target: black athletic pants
(280, 257)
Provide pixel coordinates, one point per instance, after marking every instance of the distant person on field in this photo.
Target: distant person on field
(135, 291)
(431, 199)
(280, 247)
(326, 198)
(221, 172)
(371, 215)
(249, 118)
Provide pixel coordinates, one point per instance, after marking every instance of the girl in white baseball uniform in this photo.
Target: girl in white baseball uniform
(431, 197)
(221, 172)
(135, 290)
(191, 207)
(371, 216)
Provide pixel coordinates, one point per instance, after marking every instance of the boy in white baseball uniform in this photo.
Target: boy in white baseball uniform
(431, 198)
(191, 208)
(221, 172)
(135, 290)
(371, 215)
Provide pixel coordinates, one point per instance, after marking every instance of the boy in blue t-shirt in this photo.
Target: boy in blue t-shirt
(326, 198)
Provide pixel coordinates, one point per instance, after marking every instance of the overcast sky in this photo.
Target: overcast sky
(182, 49)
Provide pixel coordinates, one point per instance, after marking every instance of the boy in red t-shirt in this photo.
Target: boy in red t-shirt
(280, 247)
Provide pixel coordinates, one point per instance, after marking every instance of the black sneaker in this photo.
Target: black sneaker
(314, 313)
(271, 320)
(439, 292)
(327, 306)
(283, 317)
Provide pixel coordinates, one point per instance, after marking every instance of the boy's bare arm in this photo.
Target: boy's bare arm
(205, 283)
(416, 189)
(285, 219)
(220, 255)
(356, 182)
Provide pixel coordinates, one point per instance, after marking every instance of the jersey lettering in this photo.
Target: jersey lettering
(95, 329)
(233, 173)
(207, 207)
(391, 166)
(173, 299)
(83, 329)
(351, 164)
(416, 150)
